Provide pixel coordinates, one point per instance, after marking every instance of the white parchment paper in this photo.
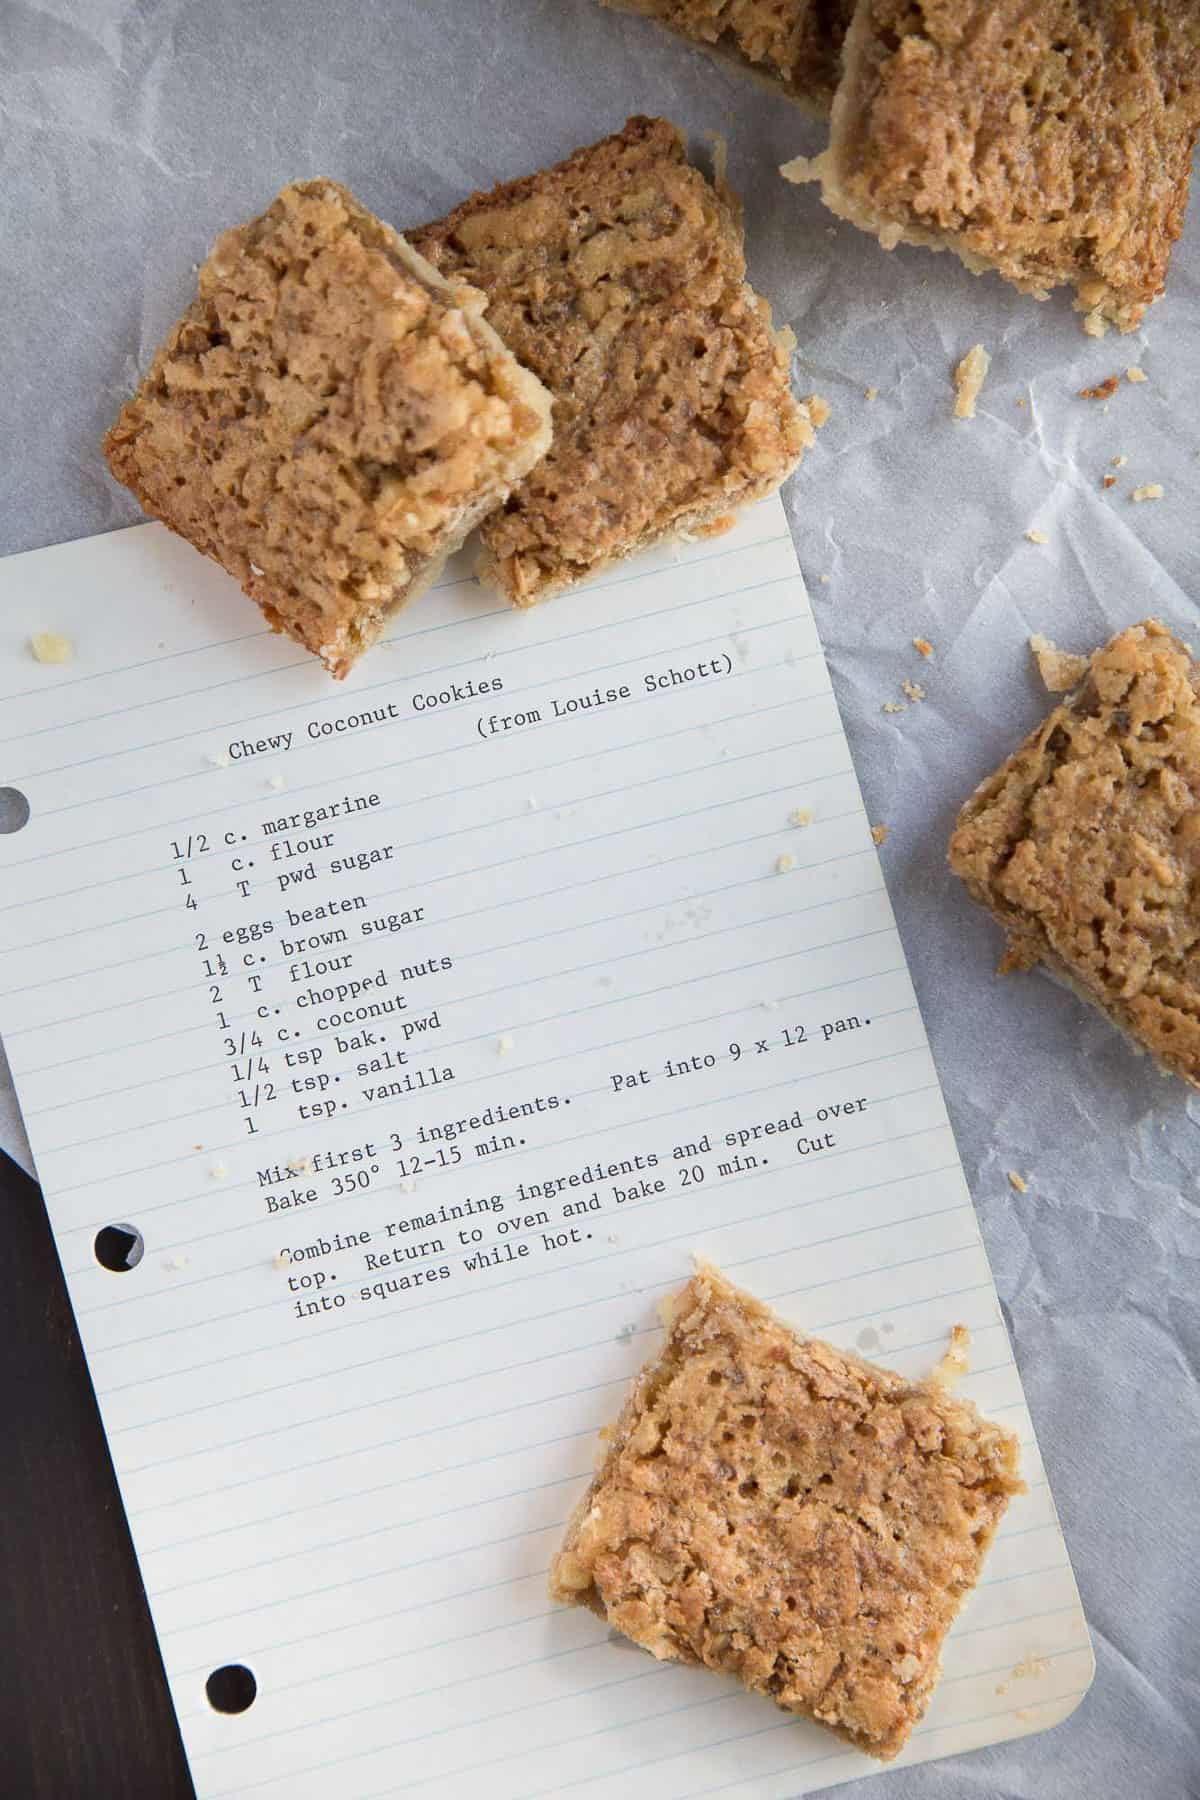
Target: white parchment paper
(134, 130)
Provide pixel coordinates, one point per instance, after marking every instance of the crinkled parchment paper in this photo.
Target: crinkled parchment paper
(133, 130)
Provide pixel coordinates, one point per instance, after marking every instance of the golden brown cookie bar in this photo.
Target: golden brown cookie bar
(789, 1515)
(795, 45)
(1085, 844)
(618, 277)
(328, 419)
(1051, 142)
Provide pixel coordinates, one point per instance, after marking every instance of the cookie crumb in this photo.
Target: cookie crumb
(218, 1172)
(923, 646)
(1109, 481)
(1031, 1668)
(784, 863)
(1136, 374)
(819, 409)
(51, 647)
(275, 781)
(1104, 390)
(219, 759)
(1059, 669)
(298, 1165)
(870, 393)
(955, 1362)
(893, 706)
(879, 834)
(505, 1045)
(1095, 324)
(1150, 490)
(1017, 1182)
(1118, 462)
(800, 815)
(912, 690)
(175, 1262)
(1037, 537)
(969, 378)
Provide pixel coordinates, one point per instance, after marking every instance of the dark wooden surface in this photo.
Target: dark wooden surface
(84, 1709)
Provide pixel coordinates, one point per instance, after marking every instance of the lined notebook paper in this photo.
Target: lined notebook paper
(420, 1030)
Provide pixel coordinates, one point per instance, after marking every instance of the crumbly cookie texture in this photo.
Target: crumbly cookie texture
(328, 419)
(1051, 142)
(1085, 844)
(789, 1515)
(796, 45)
(618, 276)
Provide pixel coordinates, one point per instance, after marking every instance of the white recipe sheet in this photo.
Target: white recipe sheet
(423, 1028)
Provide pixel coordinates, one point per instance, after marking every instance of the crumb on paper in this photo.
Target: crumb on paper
(626, 1332)
(801, 816)
(1036, 537)
(1149, 490)
(299, 1165)
(218, 1172)
(1103, 390)
(1059, 669)
(969, 378)
(1030, 1668)
(175, 1262)
(1095, 323)
(1136, 374)
(533, 803)
(923, 647)
(879, 834)
(1109, 481)
(275, 781)
(51, 647)
(1022, 401)
(893, 706)
(219, 759)
(1118, 462)
(818, 408)
(870, 393)
(505, 1045)
(1017, 1182)
(912, 690)
(1024, 1713)
(770, 1006)
(408, 1184)
(956, 1361)
(824, 580)
(784, 863)
(280, 1260)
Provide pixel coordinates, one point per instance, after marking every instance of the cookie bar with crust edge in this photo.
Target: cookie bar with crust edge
(790, 1515)
(1050, 144)
(618, 277)
(328, 420)
(1084, 845)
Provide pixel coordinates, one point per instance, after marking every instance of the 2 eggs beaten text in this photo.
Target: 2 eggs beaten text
(496, 724)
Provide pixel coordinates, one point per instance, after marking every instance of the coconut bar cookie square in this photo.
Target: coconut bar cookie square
(618, 277)
(788, 1515)
(328, 419)
(1051, 143)
(795, 45)
(1085, 845)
